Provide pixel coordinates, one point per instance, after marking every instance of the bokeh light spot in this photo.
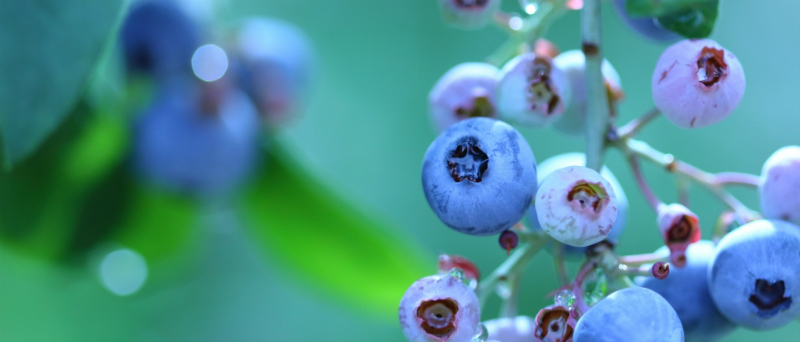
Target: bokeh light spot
(123, 272)
(209, 62)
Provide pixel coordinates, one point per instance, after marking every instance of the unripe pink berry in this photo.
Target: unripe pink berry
(576, 206)
(554, 323)
(439, 308)
(469, 14)
(465, 91)
(532, 91)
(680, 228)
(779, 188)
(697, 83)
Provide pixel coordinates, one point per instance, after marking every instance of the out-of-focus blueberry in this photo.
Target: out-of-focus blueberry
(465, 91)
(469, 14)
(532, 91)
(755, 274)
(647, 27)
(277, 58)
(181, 146)
(632, 314)
(686, 289)
(779, 185)
(159, 39)
(479, 176)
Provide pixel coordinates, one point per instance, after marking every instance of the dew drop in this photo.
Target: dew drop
(481, 334)
(564, 298)
(457, 273)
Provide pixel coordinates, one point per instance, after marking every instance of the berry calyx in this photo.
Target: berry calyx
(770, 298)
(554, 323)
(438, 317)
(679, 228)
(660, 270)
(467, 161)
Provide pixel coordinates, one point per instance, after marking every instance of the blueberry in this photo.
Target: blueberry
(517, 329)
(686, 290)
(158, 39)
(576, 206)
(679, 228)
(439, 308)
(697, 83)
(465, 91)
(469, 14)
(532, 91)
(780, 181)
(755, 274)
(181, 146)
(577, 158)
(275, 69)
(647, 27)
(632, 314)
(573, 64)
(479, 176)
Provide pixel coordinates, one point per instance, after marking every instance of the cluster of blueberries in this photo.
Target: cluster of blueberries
(480, 177)
(199, 134)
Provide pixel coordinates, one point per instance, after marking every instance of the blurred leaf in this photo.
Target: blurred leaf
(328, 241)
(658, 8)
(48, 51)
(695, 22)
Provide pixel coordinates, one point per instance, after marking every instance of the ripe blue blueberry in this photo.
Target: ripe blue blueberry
(647, 27)
(532, 91)
(277, 59)
(755, 274)
(632, 314)
(439, 308)
(158, 39)
(686, 290)
(181, 146)
(697, 83)
(551, 164)
(576, 206)
(779, 188)
(469, 14)
(573, 64)
(465, 91)
(479, 176)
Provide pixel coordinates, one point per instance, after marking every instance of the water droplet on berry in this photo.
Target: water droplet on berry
(481, 334)
(564, 298)
(457, 273)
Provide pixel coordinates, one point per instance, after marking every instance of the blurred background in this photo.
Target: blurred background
(327, 225)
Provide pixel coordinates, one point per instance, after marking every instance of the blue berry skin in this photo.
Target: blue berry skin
(632, 314)
(755, 274)
(479, 176)
(579, 159)
(686, 289)
(179, 146)
(646, 27)
(158, 39)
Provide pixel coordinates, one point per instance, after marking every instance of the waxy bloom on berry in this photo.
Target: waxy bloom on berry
(779, 188)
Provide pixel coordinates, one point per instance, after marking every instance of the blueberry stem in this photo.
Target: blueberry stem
(641, 259)
(644, 187)
(632, 128)
(514, 265)
(508, 309)
(684, 186)
(635, 271)
(558, 262)
(722, 224)
(533, 27)
(598, 113)
(714, 183)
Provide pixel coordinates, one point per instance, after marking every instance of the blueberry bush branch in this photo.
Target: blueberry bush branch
(597, 103)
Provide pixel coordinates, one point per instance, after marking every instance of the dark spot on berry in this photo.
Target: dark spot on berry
(770, 298)
(691, 124)
(711, 66)
(467, 161)
(666, 72)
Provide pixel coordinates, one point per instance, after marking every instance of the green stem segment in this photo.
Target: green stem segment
(512, 267)
(598, 114)
(532, 28)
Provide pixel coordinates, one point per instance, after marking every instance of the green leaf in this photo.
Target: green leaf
(48, 51)
(695, 22)
(327, 241)
(658, 8)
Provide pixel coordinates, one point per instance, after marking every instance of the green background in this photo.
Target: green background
(365, 132)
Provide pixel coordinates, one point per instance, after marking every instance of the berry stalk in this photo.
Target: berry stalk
(513, 266)
(598, 113)
(524, 30)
